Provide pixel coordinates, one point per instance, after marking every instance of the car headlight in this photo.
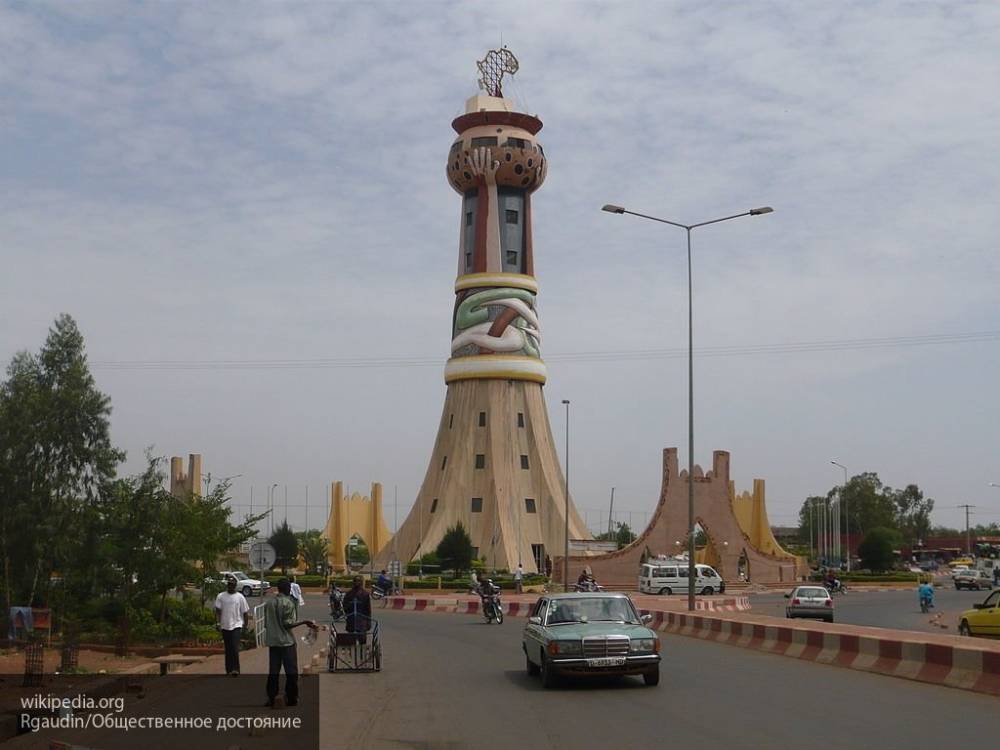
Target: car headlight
(644, 645)
(565, 648)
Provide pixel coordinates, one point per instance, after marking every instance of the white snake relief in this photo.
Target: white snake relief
(513, 331)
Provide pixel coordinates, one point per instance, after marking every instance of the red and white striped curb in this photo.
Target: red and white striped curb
(969, 667)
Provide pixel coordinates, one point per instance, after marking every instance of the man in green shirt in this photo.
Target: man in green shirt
(280, 618)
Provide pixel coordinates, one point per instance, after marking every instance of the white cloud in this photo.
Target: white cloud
(202, 181)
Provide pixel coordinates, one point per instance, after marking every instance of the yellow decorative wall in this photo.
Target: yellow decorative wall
(352, 515)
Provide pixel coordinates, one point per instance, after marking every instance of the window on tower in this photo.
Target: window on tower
(524, 461)
(516, 142)
(489, 141)
(511, 216)
(520, 419)
(512, 258)
(511, 227)
(482, 419)
(529, 505)
(480, 461)
(469, 203)
(444, 462)
(456, 146)
(477, 505)
(434, 505)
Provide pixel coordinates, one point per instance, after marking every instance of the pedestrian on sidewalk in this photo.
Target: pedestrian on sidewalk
(231, 610)
(280, 618)
(519, 579)
(297, 591)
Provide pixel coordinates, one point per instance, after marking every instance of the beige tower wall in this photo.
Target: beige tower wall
(714, 512)
(185, 484)
(504, 531)
(352, 515)
(751, 513)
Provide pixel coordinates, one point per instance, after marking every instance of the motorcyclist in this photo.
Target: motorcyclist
(488, 590)
(925, 593)
(336, 597)
(384, 582)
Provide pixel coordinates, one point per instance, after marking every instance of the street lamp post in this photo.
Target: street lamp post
(566, 539)
(688, 227)
(847, 515)
(270, 507)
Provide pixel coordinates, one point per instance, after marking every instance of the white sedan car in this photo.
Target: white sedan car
(244, 584)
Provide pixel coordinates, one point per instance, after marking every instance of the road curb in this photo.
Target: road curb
(964, 665)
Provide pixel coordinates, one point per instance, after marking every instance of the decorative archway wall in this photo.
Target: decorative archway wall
(733, 524)
(352, 515)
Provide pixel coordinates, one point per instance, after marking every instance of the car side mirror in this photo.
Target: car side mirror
(647, 617)
(534, 620)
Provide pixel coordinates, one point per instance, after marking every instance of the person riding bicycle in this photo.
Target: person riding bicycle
(925, 593)
(384, 582)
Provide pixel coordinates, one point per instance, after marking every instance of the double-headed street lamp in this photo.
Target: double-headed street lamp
(847, 514)
(688, 227)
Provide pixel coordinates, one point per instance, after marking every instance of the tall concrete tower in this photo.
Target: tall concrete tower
(494, 465)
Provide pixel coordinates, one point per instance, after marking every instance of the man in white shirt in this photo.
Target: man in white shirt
(297, 592)
(231, 611)
(519, 578)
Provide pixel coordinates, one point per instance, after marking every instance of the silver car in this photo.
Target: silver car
(810, 601)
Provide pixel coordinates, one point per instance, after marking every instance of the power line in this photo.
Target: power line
(889, 342)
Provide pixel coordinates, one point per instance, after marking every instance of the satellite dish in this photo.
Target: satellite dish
(262, 556)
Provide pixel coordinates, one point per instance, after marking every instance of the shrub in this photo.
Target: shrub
(876, 549)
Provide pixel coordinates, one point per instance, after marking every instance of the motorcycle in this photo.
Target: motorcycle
(836, 587)
(337, 605)
(492, 609)
(587, 586)
(925, 604)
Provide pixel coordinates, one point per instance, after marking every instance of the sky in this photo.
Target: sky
(244, 207)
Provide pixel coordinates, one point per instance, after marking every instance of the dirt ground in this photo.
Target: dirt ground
(12, 661)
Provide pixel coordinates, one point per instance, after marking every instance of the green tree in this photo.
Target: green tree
(314, 549)
(286, 546)
(56, 457)
(913, 513)
(455, 549)
(876, 549)
(622, 535)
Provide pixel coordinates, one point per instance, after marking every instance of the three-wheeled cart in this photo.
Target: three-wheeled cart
(358, 650)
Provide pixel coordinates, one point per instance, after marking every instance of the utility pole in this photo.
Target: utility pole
(968, 536)
(611, 510)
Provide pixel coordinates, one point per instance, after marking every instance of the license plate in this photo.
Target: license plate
(607, 661)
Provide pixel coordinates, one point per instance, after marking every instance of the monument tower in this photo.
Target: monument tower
(494, 465)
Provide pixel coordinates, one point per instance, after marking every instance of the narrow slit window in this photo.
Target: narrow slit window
(520, 419)
(477, 505)
(480, 461)
(524, 462)
(444, 462)
(434, 505)
(451, 420)
(468, 218)
(511, 216)
(529, 505)
(482, 419)
(512, 257)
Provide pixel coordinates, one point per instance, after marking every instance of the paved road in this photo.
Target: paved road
(451, 681)
(885, 609)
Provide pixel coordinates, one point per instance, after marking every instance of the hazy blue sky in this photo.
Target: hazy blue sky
(199, 182)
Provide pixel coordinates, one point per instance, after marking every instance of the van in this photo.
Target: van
(671, 577)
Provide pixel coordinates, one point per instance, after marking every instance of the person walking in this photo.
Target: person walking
(231, 610)
(297, 591)
(280, 618)
(548, 567)
(519, 579)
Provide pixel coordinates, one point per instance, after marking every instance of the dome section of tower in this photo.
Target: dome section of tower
(496, 145)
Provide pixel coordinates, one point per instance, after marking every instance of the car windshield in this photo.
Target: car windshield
(239, 576)
(596, 609)
(812, 593)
